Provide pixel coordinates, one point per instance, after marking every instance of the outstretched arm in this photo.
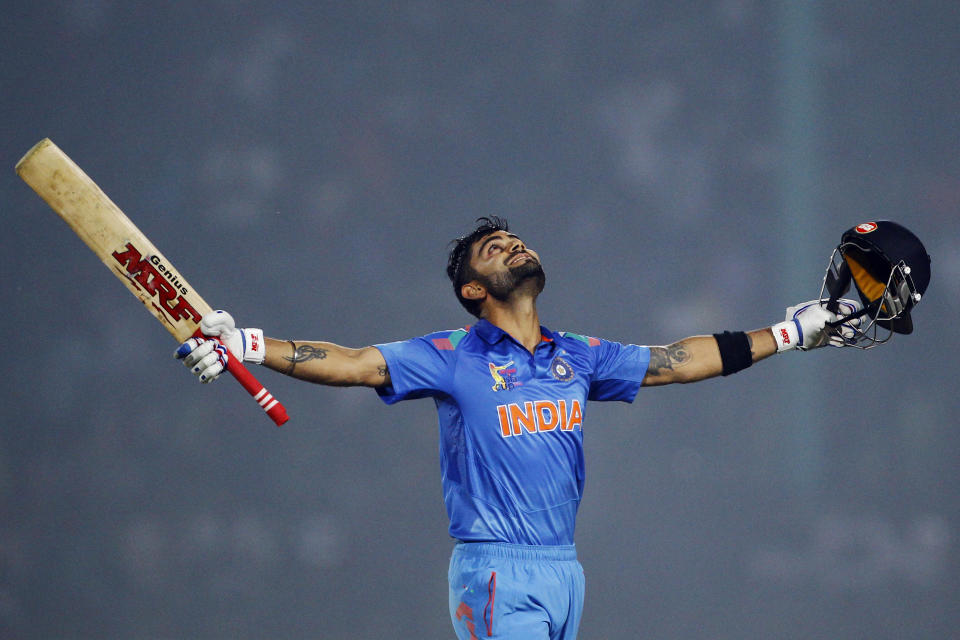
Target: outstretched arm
(327, 363)
(698, 358)
(320, 362)
(701, 357)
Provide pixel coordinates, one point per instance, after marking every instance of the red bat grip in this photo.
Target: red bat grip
(276, 411)
(264, 398)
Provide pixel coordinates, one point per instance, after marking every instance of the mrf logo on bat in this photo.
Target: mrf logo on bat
(157, 280)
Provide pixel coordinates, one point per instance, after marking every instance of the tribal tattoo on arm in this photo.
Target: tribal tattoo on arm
(306, 352)
(329, 364)
(303, 353)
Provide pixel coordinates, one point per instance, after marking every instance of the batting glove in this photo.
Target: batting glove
(207, 358)
(805, 326)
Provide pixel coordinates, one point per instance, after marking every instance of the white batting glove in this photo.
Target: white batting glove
(207, 359)
(805, 326)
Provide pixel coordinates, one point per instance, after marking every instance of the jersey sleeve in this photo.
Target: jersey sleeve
(619, 370)
(419, 368)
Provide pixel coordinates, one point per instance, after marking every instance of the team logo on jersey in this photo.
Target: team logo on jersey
(504, 376)
(561, 370)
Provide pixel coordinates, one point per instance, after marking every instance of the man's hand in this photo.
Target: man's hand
(207, 358)
(805, 325)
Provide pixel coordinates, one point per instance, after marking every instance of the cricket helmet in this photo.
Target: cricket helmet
(889, 268)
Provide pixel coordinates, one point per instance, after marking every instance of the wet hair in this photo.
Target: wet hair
(458, 262)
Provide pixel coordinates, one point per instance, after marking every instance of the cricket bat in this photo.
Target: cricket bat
(128, 254)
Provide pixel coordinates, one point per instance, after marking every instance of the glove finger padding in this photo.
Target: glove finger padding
(206, 359)
(846, 333)
(211, 365)
(192, 350)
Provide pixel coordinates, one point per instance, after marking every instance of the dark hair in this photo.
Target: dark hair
(458, 263)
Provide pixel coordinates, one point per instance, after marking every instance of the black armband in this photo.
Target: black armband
(735, 353)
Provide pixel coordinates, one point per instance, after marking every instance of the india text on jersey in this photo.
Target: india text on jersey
(538, 416)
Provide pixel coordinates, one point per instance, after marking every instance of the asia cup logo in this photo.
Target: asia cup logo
(504, 376)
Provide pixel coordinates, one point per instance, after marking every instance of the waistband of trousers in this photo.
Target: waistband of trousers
(548, 553)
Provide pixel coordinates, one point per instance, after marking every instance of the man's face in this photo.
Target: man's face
(505, 265)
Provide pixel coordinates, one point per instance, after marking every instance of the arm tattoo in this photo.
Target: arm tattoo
(301, 354)
(383, 371)
(306, 352)
(665, 358)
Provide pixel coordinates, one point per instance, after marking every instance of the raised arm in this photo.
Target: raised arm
(327, 363)
(702, 357)
(319, 362)
(698, 358)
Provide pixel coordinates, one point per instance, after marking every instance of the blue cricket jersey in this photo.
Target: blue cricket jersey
(511, 422)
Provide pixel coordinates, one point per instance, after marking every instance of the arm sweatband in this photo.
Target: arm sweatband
(735, 351)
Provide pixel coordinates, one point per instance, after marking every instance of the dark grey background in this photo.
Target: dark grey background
(682, 167)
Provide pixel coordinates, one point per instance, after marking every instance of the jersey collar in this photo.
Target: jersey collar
(493, 334)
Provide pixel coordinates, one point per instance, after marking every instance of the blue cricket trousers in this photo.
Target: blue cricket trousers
(514, 591)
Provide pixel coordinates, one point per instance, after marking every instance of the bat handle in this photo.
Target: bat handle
(264, 398)
(276, 411)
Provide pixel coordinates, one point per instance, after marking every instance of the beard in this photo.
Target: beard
(526, 277)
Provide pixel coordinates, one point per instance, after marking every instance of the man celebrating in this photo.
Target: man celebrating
(511, 397)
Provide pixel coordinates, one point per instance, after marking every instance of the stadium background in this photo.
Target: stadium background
(682, 167)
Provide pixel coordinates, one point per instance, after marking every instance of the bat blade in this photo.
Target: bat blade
(113, 237)
(127, 252)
